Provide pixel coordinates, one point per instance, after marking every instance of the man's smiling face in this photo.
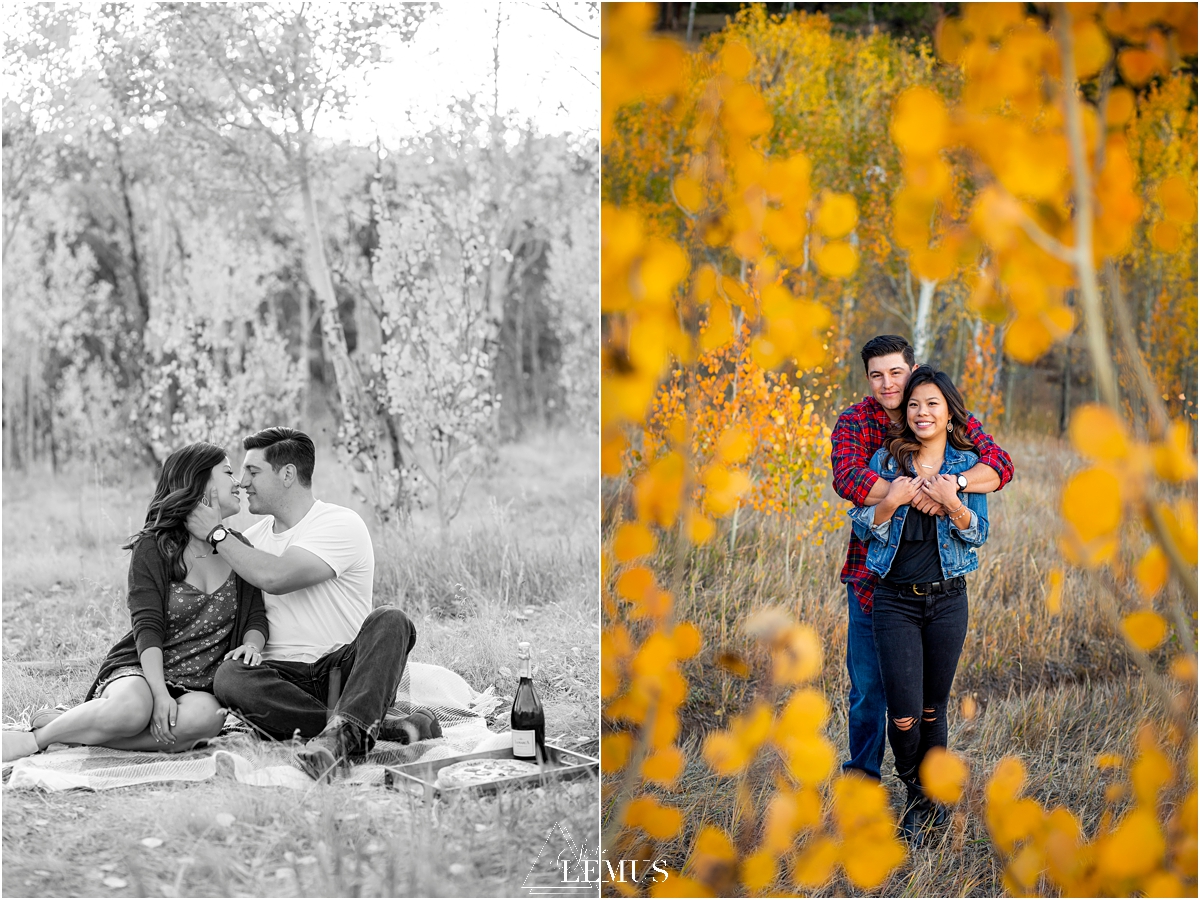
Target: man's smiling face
(888, 376)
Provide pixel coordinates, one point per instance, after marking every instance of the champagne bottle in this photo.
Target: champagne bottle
(528, 720)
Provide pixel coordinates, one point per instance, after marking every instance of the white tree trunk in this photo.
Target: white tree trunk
(921, 327)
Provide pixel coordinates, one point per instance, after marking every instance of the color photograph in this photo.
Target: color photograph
(301, 460)
(898, 449)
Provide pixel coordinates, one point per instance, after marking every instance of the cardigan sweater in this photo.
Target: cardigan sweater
(149, 592)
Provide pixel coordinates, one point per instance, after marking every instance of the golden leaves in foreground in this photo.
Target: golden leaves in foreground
(944, 775)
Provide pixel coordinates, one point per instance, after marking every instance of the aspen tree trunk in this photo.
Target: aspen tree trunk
(921, 327)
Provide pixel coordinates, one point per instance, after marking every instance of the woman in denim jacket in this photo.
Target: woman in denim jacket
(920, 603)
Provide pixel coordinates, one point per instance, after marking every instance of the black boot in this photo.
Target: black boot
(918, 809)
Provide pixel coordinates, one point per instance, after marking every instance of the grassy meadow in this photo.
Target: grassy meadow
(518, 564)
(1054, 690)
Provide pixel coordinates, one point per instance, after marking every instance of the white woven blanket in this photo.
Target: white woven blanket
(460, 708)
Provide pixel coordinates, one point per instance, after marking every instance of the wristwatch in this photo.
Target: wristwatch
(962, 482)
(217, 535)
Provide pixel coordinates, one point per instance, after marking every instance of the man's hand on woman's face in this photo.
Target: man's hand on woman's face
(202, 520)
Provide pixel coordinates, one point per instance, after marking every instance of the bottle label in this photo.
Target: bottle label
(524, 743)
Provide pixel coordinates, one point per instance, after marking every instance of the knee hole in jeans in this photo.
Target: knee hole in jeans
(906, 723)
(930, 715)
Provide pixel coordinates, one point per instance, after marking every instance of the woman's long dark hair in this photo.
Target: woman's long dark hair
(901, 442)
(181, 486)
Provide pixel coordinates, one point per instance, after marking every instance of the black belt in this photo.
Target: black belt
(932, 587)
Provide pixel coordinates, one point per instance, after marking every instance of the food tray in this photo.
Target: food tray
(421, 776)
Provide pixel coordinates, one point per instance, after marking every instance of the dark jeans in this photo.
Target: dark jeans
(282, 697)
(919, 640)
(868, 707)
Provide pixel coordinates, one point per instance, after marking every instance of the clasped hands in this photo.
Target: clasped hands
(933, 496)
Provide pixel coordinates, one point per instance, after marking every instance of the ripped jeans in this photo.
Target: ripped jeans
(919, 640)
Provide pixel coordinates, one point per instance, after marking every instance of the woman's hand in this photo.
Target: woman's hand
(247, 653)
(944, 490)
(902, 491)
(166, 712)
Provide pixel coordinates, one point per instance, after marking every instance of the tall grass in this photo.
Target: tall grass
(519, 564)
(1054, 689)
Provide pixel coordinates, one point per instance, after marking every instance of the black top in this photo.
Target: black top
(916, 560)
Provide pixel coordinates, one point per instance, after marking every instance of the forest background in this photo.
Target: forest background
(1012, 186)
(374, 222)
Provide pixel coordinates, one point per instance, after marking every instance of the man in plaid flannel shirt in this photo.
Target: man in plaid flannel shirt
(860, 431)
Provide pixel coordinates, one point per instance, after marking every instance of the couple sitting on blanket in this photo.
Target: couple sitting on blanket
(261, 621)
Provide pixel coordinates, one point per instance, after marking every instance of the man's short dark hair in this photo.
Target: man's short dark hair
(285, 446)
(884, 345)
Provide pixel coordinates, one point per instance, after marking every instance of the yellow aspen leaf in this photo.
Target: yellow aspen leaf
(815, 864)
(689, 193)
(723, 488)
(943, 775)
(753, 728)
(734, 445)
(1137, 66)
(1166, 236)
(737, 295)
(837, 259)
(686, 638)
(1178, 199)
(614, 751)
(714, 844)
(612, 447)
(1023, 869)
(744, 112)
(1119, 108)
(1133, 849)
(869, 862)
(663, 766)
(1150, 772)
(970, 709)
(661, 822)
(718, 327)
(653, 658)
(796, 656)
(1145, 628)
(1173, 459)
(635, 583)
(699, 528)
(991, 20)
(1027, 338)
(804, 713)
(635, 812)
(1181, 527)
(949, 40)
(1006, 781)
(780, 822)
(1183, 668)
(724, 753)
(657, 492)
(758, 871)
(920, 122)
(736, 59)
(1091, 503)
(857, 800)
(664, 265)
(674, 884)
(810, 758)
(665, 728)
(633, 540)
(1152, 571)
(837, 215)
(1098, 433)
(1092, 48)
(1014, 822)
(1109, 761)
(1163, 884)
(1054, 592)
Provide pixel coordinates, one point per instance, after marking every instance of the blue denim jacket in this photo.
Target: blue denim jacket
(956, 546)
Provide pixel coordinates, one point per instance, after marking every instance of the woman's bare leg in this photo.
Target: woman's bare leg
(122, 710)
(199, 717)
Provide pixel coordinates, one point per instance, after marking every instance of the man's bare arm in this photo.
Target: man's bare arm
(293, 570)
(878, 491)
(981, 479)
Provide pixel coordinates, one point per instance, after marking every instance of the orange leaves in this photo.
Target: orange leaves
(837, 259)
(1092, 47)
(1098, 434)
(943, 775)
(920, 122)
(1177, 199)
(658, 821)
(1091, 503)
(796, 655)
(837, 214)
(1145, 629)
(633, 540)
(634, 64)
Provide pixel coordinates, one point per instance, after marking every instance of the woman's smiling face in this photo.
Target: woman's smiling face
(222, 483)
(927, 411)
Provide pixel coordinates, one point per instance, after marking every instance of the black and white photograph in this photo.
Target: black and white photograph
(300, 449)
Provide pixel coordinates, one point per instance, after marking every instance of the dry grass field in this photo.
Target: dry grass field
(527, 538)
(1052, 690)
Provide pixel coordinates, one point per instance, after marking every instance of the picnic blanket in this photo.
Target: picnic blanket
(239, 755)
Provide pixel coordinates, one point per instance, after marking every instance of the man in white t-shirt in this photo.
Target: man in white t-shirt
(315, 565)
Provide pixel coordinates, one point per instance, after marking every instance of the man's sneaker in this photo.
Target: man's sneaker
(420, 725)
(325, 756)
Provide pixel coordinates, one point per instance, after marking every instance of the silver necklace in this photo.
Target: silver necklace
(197, 555)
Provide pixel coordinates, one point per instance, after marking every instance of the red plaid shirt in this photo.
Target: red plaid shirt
(859, 433)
